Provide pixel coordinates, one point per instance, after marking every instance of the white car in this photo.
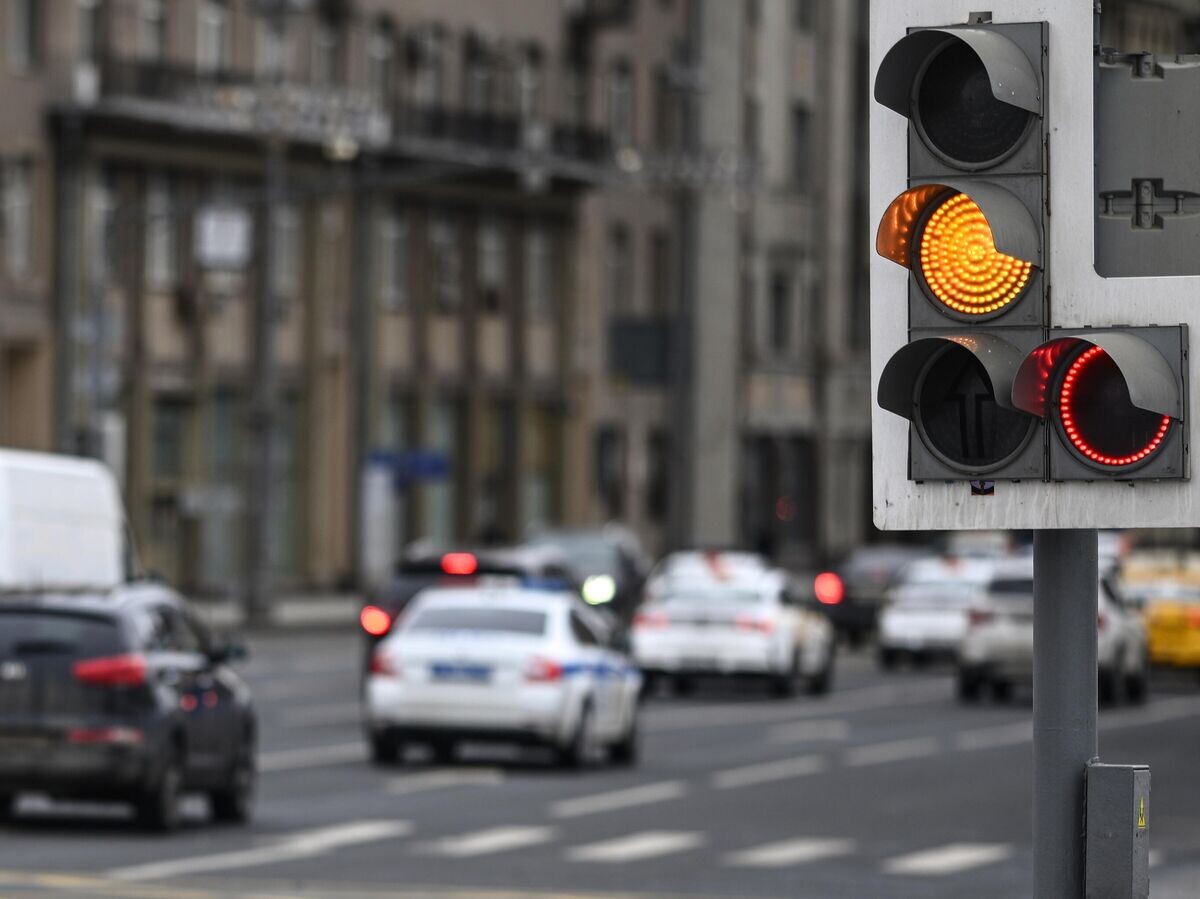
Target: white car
(750, 623)
(997, 651)
(501, 664)
(925, 615)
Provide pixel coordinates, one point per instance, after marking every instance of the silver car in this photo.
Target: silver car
(997, 650)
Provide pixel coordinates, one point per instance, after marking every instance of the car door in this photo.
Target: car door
(604, 676)
(220, 687)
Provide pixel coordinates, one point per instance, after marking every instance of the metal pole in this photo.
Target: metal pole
(261, 459)
(1064, 705)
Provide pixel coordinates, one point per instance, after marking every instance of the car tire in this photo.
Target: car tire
(683, 686)
(443, 752)
(822, 682)
(783, 686)
(157, 808)
(234, 804)
(1107, 685)
(970, 686)
(577, 753)
(1002, 691)
(1137, 685)
(624, 752)
(8, 806)
(385, 748)
(889, 659)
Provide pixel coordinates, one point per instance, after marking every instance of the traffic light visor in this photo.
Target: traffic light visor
(973, 248)
(971, 93)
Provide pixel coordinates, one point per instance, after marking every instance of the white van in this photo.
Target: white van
(62, 525)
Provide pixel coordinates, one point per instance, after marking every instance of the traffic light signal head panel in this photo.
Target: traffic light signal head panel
(991, 393)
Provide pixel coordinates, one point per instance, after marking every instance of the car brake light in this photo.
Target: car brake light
(383, 664)
(751, 623)
(644, 621)
(543, 670)
(459, 563)
(112, 736)
(977, 617)
(375, 621)
(1101, 622)
(829, 588)
(112, 671)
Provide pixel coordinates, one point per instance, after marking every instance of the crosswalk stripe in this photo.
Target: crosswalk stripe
(789, 852)
(489, 841)
(450, 777)
(894, 751)
(952, 858)
(618, 799)
(826, 730)
(994, 737)
(305, 844)
(637, 846)
(311, 757)
(767, 772)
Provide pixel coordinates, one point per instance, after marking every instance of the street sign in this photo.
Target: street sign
(1015, 386)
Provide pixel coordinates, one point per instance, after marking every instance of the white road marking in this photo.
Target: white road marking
(305, 844)
(789, 852)
(645, 794)
(862, 700)
(893, 751)
(450, 777)
(767, 772)
(298, 686)
(995, 737)
(822, 730)
(636, 847)
(1156, 858)
(952, 858)
(487, 842)
(311, 757)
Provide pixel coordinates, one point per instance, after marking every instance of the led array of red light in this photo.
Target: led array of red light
(1078, 440)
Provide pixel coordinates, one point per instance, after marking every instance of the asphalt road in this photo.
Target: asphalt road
(887, 788)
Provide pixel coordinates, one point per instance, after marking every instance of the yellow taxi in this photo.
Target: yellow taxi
(1171, 610)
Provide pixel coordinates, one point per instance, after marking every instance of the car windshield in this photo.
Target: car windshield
(29, 633)
(526, 622)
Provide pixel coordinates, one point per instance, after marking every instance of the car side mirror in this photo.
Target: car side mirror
(230, 650)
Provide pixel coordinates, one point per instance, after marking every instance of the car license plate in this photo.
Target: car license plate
(460, 673)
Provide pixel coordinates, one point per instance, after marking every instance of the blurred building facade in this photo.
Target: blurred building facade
(602, 257)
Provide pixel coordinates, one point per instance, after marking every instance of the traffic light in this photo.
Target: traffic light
(971, 230)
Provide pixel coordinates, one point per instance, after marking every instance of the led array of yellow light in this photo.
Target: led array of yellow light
(960, 262)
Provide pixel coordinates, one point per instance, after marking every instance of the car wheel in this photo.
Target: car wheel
(8, 806)
(783, 686)
(1002, 691)
(624, 752)
(822, 682)
(1106, 686)
(444, 752)
(683, 686)
(158, 807)
(234, 804)
(970, 686)
(889, 659)
(1137, 685)
(385, 748)
(576, 754)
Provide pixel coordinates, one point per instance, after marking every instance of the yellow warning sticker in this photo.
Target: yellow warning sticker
(1141, 813)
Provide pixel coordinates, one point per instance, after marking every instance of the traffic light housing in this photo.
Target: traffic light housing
(971, 230)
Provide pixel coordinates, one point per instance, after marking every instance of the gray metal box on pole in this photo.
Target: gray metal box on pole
(1118, 831)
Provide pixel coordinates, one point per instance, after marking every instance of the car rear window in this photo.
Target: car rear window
(26, 633)
(1014, 588)
(507, 621)
(732, 597)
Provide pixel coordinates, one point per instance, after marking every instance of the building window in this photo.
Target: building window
(379, 64)
(539, 273)
(212, 37)
(542, 452)
(658, 462)
(447, 264)
(160, 234)
(442, 496)
(393, 260)
(660, 272)
(222, 526)
(152, 30)
(21, 25)
(619, 267)
(285, 244)
(170, 419)
(326, 55)
(18, 217)
(477, 77)
(666, 112)
(88, 19)
(427, 81)
(802, 149)
(620, 104)
(100, 228)
(781, 313)
(529, 84)
(270, 48)
(491, 265)
(804, 14)
(286, 509)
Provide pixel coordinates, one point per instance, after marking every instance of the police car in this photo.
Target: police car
(730, 619)
(501, 663)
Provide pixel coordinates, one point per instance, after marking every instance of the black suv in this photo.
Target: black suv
(121, 696)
